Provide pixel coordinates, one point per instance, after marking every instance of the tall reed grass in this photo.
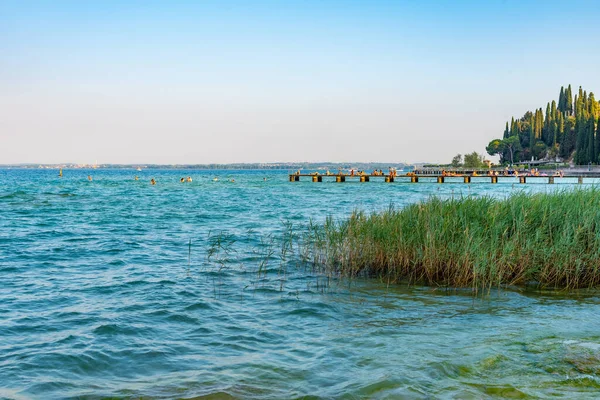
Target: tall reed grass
(548, 239)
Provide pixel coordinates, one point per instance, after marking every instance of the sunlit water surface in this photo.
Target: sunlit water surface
(102, 295)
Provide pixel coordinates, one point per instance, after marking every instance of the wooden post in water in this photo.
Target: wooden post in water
(550, 179)
(580, 179)
(494, 179)
(340, 178)
(440, 179)
(364, 178)
(522, 179)
(414, 179)
(467, 179)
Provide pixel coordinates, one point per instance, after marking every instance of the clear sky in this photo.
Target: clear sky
(266, 81)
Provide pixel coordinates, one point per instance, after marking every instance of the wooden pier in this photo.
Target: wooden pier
(416, 178)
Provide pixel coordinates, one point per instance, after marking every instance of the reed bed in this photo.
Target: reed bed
(546, 239)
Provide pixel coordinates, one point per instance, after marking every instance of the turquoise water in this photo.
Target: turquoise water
(115, 288)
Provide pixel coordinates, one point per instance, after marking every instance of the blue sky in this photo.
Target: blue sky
(266, 81)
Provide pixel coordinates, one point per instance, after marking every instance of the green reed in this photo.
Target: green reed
(547, 239)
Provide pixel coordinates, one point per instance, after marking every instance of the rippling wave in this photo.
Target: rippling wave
(118, 289)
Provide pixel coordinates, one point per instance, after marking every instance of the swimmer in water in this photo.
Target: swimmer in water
(89, 178)
(189, 179)
(136, 178)
(152, 181)
(181, 180)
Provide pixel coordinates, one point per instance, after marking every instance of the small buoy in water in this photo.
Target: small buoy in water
(89, 178)
(215, 179)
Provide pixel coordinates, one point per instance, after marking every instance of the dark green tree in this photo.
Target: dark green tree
(561, 100)
(457, 161)
(597, 142)
(539, 150)
(495, 147)
(581, 151)
(591, 142)
(514, 130)
(569, 138)
(547, 134)
(569, 100)
(592, 105)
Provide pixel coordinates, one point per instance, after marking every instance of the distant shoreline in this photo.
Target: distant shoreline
(234, 166)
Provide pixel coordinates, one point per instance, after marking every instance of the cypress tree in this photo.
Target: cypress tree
(592, 105)
(570, 138)
(506, 131)
(553, 123)
(581, 145)
(560, 129)
(546, 129)
(539, 123)
(561, 100)
(597, 143)
(569, 100)
(531, 131)
(592, 156)
(513, 127)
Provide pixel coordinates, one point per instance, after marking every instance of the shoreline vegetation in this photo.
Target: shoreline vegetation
(568, 130)
(548, 240)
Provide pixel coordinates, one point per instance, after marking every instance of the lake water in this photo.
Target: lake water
(116, 288)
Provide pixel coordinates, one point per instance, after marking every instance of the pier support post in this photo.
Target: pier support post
(317, 178)
(522, 179)
(364, 178)
(414, 179)
(467, 179)
(550, 179)
(440, 179)
(340, 178)
(580, 179)
(494, 179)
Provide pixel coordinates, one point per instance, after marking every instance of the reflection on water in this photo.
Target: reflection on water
(102, 294)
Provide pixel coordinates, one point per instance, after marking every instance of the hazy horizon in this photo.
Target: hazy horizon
(268, 81)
